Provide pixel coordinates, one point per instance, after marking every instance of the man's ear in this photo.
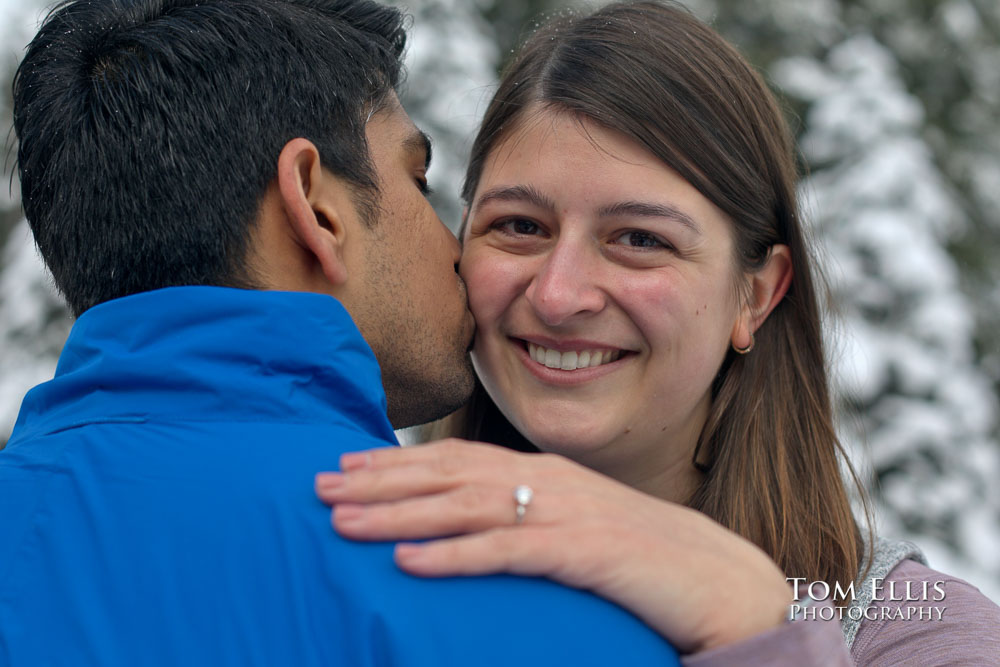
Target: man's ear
(768, 287)
(316, 206)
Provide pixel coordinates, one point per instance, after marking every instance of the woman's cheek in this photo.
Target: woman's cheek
(650, 297)
(493, 283)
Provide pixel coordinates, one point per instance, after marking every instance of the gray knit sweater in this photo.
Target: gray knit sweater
(888, 554)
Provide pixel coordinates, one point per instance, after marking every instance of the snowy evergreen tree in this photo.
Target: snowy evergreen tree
(909, 384)
(35, 324)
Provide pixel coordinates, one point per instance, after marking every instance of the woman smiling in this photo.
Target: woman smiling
(647, 316)
(604, 290)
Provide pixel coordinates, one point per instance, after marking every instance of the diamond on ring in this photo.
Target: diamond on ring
(522, 496)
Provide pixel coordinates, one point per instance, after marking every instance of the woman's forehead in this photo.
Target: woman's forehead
(549, 149)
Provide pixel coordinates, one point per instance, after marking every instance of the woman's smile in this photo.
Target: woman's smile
(569, 363)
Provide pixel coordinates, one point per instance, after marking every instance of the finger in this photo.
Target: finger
(468, 509)
(441, 452)
(394, 473)
(397, 482)
(578, 556)
(382, 485)
(522, 550)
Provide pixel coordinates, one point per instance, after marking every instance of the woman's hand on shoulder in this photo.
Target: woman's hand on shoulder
(696, 583)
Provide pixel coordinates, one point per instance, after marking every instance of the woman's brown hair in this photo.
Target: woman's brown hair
(769, 452)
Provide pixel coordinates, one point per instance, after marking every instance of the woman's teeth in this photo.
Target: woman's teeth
(571, 361)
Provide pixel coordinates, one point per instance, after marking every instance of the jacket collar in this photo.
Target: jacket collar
(212, 353)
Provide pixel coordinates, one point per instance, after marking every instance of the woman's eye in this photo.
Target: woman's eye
(638, 239)
(518, 227)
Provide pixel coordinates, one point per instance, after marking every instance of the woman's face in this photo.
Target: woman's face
(603, 287)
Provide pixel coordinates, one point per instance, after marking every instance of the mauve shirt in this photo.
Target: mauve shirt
(968, 632)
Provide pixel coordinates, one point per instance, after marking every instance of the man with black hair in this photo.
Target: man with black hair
(231, 199)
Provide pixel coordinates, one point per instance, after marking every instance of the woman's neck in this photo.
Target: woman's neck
(671, 475)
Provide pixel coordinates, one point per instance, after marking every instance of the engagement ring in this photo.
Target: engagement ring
(522, 496)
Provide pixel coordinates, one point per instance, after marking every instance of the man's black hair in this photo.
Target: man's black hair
(149, 130)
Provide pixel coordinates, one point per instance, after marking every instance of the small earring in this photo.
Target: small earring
(743, 350)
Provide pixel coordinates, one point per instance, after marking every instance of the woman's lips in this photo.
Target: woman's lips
(569, 367)
(572, 360)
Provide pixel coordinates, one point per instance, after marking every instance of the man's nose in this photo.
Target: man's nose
(566, 284)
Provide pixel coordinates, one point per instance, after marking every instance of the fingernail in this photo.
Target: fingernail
(355, 460)
(348, 512)
(408, 550)
(327, 481)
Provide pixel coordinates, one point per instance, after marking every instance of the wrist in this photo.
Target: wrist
(767, 612)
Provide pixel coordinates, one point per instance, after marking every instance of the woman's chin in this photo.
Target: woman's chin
(573, 443)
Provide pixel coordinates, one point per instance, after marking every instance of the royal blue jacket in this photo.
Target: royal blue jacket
(157, 508)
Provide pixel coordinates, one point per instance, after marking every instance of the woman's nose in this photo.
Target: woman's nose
(565, 286)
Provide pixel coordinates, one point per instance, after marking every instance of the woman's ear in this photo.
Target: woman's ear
(316, 215)
(768, 286)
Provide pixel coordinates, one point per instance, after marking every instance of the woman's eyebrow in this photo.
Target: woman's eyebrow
(517, 193)
(638, 209)
(529, 194)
